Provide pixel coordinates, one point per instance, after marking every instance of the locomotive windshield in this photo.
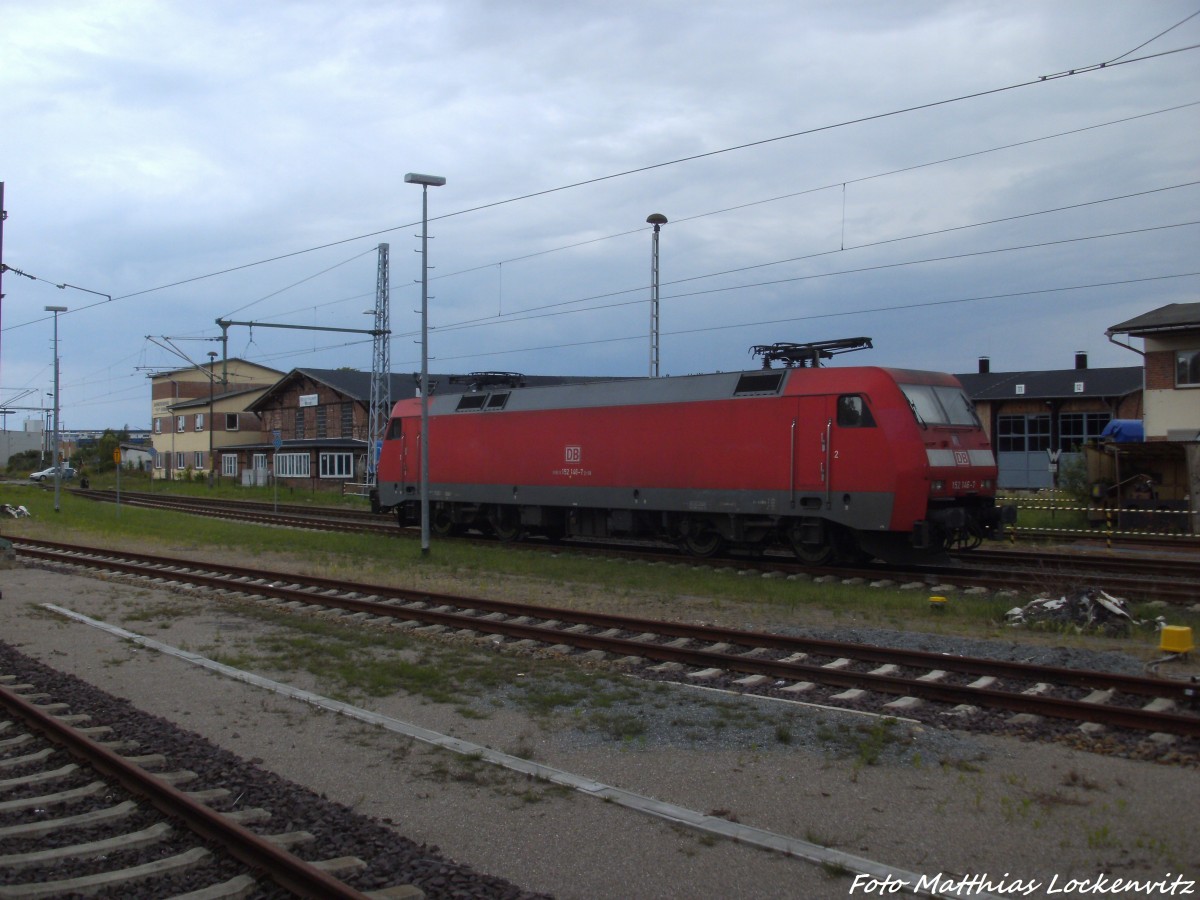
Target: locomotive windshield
(935, 404)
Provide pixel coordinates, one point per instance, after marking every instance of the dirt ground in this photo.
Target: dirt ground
(947, 803)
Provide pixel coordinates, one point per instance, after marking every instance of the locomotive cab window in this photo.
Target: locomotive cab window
(496, 401)
(853, 412)
(394, 429)
(936, 404)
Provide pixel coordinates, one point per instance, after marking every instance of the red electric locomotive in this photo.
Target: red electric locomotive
(837, 464)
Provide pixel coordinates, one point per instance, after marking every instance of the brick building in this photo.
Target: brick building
(1171, 361)
(321, 417)
(203, 408)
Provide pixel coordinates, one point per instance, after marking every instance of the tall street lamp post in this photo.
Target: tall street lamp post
(658, 220)
(426, 182)
(54, 453)
(212, 416)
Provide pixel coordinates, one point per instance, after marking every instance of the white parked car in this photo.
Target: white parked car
(48, 474)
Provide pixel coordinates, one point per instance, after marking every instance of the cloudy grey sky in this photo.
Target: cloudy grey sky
(821, 175)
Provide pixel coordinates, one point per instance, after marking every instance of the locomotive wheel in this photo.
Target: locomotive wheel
(506, 525)
(442, 524)
(818, 554)
(707, 543)
(814, 554)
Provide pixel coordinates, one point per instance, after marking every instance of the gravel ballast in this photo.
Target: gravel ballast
(918, 798)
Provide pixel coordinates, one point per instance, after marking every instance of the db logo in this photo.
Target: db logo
(962, 458)
(573, 455)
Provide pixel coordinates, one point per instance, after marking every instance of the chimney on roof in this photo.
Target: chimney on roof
(1080, 360)
(985, 365)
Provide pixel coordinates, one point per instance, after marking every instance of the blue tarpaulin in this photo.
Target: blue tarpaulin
(1124, 431)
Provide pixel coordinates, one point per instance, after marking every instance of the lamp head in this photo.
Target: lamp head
(427, 180)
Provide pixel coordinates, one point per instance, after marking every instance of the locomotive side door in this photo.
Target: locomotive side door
(397, 435)
(857, 457)
(809, 452)
(394, 467)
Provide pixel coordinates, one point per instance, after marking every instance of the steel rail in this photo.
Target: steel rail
(255, 513)
(335, 512)
(275, 584)
(1048, 571)
(1090, 561)
(256, 852)
(280, 586)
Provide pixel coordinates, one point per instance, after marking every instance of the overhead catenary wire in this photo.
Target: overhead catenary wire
(857, 180)
(883, 266)
(830, 315)
(1153, 39)
(873, 117)
(524, 314)
(540, 312)
(677, 220)
(793, 194)
(858, 271)
(687, 218)
(546, 311)
(304, 280)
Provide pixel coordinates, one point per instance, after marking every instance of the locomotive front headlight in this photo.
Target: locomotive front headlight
(987, 484)
(937, 487)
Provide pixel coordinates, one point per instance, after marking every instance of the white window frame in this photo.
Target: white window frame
(292, 465)
(199, 421)
(337, 465)
(229, 464)
(198, 462)
(179, 466)
(232, 417)
(158, 460)
(1186, 362)
(158, 426)
(180, 424)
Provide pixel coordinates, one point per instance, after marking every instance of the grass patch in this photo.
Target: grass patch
(864, 742)
(358, 662)
(563, 578)
(618, 726)
(164, 610)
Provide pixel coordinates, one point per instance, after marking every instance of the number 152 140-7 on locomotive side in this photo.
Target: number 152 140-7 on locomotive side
(837, 464)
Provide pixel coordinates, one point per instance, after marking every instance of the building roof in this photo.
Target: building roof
(350, 383)
(196, 402)
(214, 365)
(1174, 317)
(1059, 383)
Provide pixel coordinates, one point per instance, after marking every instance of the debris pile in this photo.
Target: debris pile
(1088, 610)
(17, 512)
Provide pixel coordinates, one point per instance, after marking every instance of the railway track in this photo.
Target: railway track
(974, 692)
(80, 815)
(323, 519)
(1172, 579)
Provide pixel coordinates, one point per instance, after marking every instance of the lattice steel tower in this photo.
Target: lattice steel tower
(381, 368)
